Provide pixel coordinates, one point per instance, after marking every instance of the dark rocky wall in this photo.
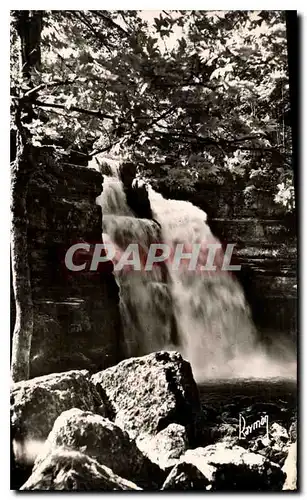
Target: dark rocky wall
(76, 315)
(265, 246)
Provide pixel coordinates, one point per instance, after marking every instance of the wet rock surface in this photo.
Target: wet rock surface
(36, 403)
(185, 477)
(74, 471)
(151, 392)
(144, 422)
(166, 447)
(225, 467)
(101, 439)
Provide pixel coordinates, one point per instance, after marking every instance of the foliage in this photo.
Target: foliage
(188, 95)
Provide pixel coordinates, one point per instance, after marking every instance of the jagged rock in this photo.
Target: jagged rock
(213, 433)
(36, 403)
(275, 447)
(224, 468)
(184, 477)
(227, 419)
(225, 432)
(150, 392)
(166, 447)
(293, 432)
(104, 441)
(290, 469)
(279, 434)
(73, 471)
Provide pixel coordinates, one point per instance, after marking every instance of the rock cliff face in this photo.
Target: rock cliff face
(265, 246)
(76, 315)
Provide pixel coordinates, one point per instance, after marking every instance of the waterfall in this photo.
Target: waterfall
(213, 317)
(145, 300)
(203, 315)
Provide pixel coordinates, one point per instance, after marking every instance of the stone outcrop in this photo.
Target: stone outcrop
(67, 470)
(166, 447)
(224, 467)
(186, 477)
(275, 447)
(151, 392)
(36, 403)
(76, 314)
(104, 441)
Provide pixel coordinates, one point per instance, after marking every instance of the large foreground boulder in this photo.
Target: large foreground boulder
(151, 392)
(73, 471)
(36, 403)
(104, 441)
(223, 467)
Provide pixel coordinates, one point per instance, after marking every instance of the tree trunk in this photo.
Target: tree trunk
(28, 24)
(23, 329)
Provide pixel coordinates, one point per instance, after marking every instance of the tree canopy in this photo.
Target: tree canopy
(187, 95)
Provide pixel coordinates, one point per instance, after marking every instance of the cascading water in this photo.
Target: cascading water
(145, 301)
(213, 319)
(204, 315)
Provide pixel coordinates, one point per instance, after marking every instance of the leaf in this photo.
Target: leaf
(70, 101)
(143, 88)
(254, 16)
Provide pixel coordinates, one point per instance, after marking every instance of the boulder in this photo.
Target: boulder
(73, 471)
(36, 403)
(278, 435)
(166, 447)
(151, 392)
(186, 476)
(274, 448)
(226, 468)
(290, 469)
(104, 441)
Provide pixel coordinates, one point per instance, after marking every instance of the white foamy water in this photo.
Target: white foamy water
(203, 315)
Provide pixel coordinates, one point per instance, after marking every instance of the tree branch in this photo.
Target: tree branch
(187, 137)
(163, 115)
(50, 84)
(83, 19)
(103, 150)
(102, 116)
(110, 22)
(244, 138)
(96, 114)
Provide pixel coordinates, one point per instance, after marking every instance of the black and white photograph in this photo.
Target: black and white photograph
(154, 202)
